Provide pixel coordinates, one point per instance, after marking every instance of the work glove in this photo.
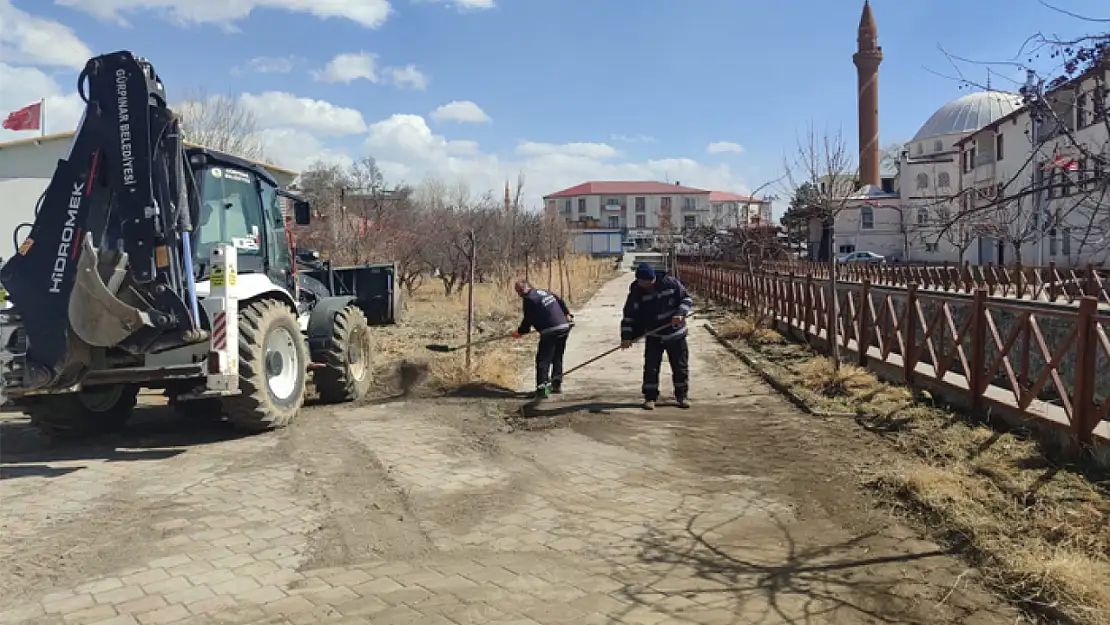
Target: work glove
(626, 344)
(516, 335)
(570, 317)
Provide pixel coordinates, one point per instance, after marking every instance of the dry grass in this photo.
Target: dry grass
(1039, 529)
(745, 329)
(431, 317)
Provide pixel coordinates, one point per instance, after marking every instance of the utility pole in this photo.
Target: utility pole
(1032, 95)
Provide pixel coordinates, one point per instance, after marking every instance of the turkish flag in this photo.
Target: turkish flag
(26, 118)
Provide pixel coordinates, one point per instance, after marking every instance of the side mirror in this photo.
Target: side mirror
(302, 212)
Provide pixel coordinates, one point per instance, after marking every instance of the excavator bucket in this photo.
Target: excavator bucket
(96, 315)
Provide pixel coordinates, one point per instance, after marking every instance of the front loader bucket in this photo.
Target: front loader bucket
(97, 316)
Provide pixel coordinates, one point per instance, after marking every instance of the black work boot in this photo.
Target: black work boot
(557, 388)
(543, 391)
(649, 404)
(682, 402)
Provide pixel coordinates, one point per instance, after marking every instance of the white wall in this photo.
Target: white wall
(626, 218)
(25, 172)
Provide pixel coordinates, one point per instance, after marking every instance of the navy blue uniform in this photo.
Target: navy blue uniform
(644, 311)
(549, 315)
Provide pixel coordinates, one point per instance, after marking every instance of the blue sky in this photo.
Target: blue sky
(685, 74)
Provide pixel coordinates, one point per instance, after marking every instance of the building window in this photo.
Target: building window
(1081, 118)
(969, 159)
(867, 218)
(1065, 243)
(1052, 242)
(930, 247)
(846, 249)
(938, 146)
(689, 204)
(944, 180)
(641, 221)
(922, 181)
(920, 149)
(665, 203)
(641, 204)
(612, 201)
(690, 222)
(581, 205)
(999, 145)
(568, 205)
(922, 215)
(614, 221)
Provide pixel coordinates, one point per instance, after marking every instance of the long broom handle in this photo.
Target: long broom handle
(610, 351)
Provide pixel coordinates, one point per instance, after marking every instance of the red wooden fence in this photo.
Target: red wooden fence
(1040, 359)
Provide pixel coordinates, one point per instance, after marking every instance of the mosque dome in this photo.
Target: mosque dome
(969, 113)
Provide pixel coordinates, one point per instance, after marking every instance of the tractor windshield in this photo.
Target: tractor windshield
(230, 212)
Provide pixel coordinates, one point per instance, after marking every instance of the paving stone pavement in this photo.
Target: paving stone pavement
(613, 516)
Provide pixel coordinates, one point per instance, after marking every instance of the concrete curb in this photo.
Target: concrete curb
(774, 382)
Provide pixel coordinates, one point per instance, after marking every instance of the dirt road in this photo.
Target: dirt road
(466, 510)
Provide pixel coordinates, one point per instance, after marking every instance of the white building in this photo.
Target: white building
(648, 207)
(732, 210)
(26, 167)
(1042, 199)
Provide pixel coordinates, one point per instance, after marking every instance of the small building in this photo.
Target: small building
(26, 167)
(732, 210)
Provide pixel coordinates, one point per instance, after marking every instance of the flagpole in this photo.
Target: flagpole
(42, 117)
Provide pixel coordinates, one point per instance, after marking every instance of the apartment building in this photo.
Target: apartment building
(651, 207)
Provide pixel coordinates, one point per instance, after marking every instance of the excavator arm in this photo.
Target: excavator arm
(107, 263)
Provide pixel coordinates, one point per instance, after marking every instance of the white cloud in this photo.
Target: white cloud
(588, 150)
(267, 65)
(27, 85)
(724, 147)
(465, 4)
(351, 66)
(632, 138)
(224, 13)
(26, 39)
(298, 150)
(407, 151)
(278, 109)
(462, 111)
(407, 77)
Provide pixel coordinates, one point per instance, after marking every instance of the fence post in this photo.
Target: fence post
(909, 359)
(975, 377)
(863, 331)
(808, 298)
(1083, 413)
(470, 300)
(791, 307)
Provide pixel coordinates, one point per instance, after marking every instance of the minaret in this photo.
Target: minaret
(508, 199)
(867, 60)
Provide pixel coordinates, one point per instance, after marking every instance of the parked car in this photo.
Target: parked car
(862, 257)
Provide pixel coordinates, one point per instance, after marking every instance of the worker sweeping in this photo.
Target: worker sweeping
(549, 315)
(650, 303)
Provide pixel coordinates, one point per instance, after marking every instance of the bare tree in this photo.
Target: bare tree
(824, 168)
(222, 123)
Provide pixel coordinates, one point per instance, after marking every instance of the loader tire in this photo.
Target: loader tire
(273, 366)
(345, 375)
(93, 411)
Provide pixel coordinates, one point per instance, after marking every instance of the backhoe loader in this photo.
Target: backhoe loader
(155, 264)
